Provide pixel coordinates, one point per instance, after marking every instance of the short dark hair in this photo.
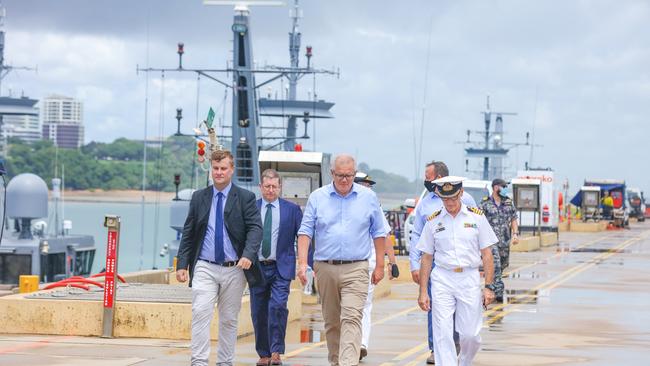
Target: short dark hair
(440, 168)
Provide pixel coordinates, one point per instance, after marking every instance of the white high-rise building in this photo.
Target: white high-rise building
(63, 121)
(20, 119)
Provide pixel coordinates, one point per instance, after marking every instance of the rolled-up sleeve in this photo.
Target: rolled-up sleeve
(418, 224)
(377, 228)
(308, 222)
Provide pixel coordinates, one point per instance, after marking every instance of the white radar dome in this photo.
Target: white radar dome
(27, 197)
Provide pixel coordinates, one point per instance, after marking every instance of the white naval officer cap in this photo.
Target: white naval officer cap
(448, 186)
(362, 177)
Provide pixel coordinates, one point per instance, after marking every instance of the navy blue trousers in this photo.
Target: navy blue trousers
(269, 311)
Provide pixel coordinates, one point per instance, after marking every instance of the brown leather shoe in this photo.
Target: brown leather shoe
(431, 360)
(275, 359)
(264, 361)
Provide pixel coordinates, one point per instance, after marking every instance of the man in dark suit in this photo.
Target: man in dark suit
(220, 243)
(277, 255)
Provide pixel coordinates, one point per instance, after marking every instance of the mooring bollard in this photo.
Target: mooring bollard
(112, 222)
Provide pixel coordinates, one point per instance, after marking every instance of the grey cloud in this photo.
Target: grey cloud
(587, 59)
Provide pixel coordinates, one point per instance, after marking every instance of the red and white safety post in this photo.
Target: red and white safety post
(112, 222)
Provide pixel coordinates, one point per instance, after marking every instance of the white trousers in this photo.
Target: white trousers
(461, 293)
(224, 285)
(366, 321)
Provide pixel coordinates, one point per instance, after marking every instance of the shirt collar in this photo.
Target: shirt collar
(275, 203)
(495, 201)
(463, 210)
(225, 191)
(332, 190)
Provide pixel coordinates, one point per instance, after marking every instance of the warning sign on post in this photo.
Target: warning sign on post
(111, 256)
(112, 246)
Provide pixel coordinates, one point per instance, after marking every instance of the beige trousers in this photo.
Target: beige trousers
(343, 289)
(225, 286)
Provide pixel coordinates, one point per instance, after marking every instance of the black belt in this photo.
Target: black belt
(267, 262)
(336, 261)
(224, 264)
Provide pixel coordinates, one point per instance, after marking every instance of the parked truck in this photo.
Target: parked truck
(637, 203)
(618, 192)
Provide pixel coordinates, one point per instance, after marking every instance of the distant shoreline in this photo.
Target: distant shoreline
(116, 196)
(135, 196)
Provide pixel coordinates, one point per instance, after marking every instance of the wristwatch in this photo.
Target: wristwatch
(491, 287)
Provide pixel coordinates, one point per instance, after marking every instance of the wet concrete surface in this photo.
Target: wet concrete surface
(583, 302)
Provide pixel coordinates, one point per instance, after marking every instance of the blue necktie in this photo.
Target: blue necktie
(219, 255)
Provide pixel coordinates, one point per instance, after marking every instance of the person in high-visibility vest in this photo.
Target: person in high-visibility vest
(608, 205)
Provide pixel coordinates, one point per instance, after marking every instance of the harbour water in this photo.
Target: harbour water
(88, 218)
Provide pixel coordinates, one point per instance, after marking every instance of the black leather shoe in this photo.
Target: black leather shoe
(363, 353)
(431, 360)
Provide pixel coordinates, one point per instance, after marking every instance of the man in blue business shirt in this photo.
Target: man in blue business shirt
(429, 204)
(340, 216)
(218, 254)
(277, 255)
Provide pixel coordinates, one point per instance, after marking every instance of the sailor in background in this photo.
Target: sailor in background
(459, 238)
(393, 272)
(502, 215)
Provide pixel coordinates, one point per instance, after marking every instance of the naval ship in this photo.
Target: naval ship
(250, 140)
(27, 247)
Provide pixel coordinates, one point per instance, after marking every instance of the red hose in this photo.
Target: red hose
(59, 284)
(82, 280)
(103, 274)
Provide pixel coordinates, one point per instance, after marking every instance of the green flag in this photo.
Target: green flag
(210, 118)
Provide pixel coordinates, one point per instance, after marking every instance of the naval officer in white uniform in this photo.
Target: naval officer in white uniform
(458, 238)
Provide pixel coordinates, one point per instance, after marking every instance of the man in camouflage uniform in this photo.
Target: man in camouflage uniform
(502, 215)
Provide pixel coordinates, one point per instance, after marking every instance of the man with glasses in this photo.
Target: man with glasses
(340, 216)
(459, 238)
(429, 204)
(280, 221)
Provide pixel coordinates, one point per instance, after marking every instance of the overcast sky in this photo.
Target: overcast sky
(577, 73)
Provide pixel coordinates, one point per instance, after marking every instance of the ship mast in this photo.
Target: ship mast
(493, 147)
(246, 139)
(294, 54)
(4, 68)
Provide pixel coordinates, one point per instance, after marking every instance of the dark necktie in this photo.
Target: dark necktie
(268, 228)
(219, 255)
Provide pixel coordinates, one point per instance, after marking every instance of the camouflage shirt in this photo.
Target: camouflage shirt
(500, 217)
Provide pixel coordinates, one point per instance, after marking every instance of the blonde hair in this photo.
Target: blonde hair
(219, 155)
